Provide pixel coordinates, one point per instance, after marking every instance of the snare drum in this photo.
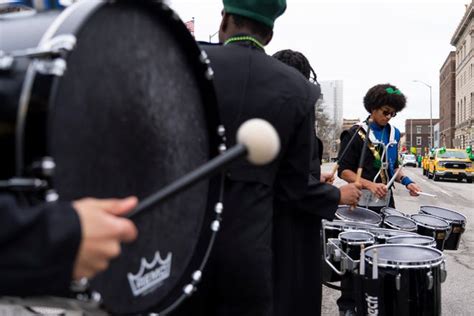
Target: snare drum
(111, 99)
(391, 211)
(432, 226)
(419, 240)
(399, 223)
(358, 214)
(456, 220)
(351, 242)
(408, 281)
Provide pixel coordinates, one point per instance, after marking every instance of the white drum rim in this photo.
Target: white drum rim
(383, 263)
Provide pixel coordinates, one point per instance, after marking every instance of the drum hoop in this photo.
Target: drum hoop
(429, 239)
(457, 221)
(370, 238)
(383, 263)
(447, 227)
(346, 219)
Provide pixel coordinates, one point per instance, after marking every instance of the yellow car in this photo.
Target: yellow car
(425, 164)
(450, 163)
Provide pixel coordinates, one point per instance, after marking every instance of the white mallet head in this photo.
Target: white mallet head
(261, 140)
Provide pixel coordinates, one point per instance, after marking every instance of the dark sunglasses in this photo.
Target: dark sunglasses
(387, 113)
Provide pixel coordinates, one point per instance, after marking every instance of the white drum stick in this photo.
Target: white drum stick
(426, 194)
(389, 184)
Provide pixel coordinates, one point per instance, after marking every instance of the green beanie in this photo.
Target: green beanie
(263, 11)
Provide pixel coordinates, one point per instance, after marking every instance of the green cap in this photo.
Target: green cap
(263, 11)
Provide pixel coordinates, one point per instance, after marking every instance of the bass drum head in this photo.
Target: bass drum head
(358, 214)
(129, 117)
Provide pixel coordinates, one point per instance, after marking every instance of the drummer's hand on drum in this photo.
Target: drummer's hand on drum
(378, 189)
(102, 232)
(350, 194)
(414, 189)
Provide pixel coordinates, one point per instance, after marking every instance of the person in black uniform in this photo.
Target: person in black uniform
(297, 240)
(238, 279)
(44, 248)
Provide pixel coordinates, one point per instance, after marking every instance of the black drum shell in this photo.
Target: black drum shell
(439, 233)
(457, 224)
(416, 293)
(413, 298)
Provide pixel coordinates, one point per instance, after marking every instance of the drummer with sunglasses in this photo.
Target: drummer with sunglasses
(383, 102)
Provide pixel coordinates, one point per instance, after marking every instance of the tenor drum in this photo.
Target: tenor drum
(408, 281)
(456, 221)
(358, 214)
(399, 223)
(110, 99)
(432, 226)
(351, 242)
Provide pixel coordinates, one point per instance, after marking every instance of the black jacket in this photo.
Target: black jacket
(250, 84)
(38, 247)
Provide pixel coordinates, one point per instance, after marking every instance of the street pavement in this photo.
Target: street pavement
(458, 289)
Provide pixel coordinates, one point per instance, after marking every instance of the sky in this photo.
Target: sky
(363, 43)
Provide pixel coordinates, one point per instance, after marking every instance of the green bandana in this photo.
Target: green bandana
(392, 91)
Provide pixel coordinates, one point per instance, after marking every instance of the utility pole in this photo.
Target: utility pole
(431, 111)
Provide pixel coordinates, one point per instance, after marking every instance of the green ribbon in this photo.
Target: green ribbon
(393, 91)
(244, 38)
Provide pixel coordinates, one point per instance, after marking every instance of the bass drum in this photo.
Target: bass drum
(111, 99)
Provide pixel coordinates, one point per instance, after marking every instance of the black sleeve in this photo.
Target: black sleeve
(292, 178)
(350, 160)
(38, 247)
(321, 199)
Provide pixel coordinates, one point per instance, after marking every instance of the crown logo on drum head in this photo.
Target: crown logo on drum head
(151, 275)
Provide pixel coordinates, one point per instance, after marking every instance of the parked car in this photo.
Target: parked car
(409, 160)
(450, 163)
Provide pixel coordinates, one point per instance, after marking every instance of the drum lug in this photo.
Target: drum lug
(398, 281)
(55, 67)
(44, 167)
(443, 273)
(429, 280)
(6, 61)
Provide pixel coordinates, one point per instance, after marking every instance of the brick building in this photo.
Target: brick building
(417, 133)
(447, 101)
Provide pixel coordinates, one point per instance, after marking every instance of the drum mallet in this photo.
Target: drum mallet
(257, 139)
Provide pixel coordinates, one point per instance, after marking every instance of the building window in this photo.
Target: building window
(418, 130)
(418, 140)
